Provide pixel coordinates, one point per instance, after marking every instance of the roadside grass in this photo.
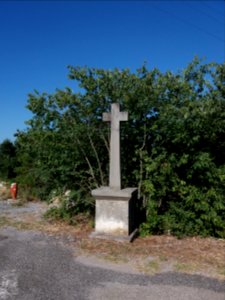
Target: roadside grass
(19, 202)
(163, 258)
(4, 221)
(152, 267)
(153, 254)
(5, 192)
(185, 267)
(222, 271)
(20, 225)
(194, 255)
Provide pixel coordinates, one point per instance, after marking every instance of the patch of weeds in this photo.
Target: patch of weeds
(52, 213)
(19, 203)
(151, 267)
(4, 221)
(30, 226)
(23, 226)
(184, 267)
(57, 214)
(163, 258)
(115, 259)
(221, 271)
(4, 191)
(83, 218)
(111, 258)
(60, 214)
(91, 222)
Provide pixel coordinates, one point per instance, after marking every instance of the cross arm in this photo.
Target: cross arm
(123, 116)
(106, 117)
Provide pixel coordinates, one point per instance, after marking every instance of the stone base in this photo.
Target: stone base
(115, 211)
(113, 237)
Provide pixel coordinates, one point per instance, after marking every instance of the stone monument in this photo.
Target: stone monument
(115, 207)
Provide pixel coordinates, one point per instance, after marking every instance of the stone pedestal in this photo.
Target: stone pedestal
(115, 211)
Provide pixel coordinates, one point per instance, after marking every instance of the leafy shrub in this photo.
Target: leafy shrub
(70, 207)
(7, 160)
(184, 184)
(172, 147)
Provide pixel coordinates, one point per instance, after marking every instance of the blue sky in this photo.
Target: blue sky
(39, 39)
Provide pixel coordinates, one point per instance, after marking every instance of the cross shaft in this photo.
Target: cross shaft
(114, 167)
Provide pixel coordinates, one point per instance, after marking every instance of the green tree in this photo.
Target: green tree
(185, 167)
(7, 160)
(172, 147)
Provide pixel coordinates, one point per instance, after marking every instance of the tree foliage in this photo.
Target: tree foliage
(7, 160)
(172, 147)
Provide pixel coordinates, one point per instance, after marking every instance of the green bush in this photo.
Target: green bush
(7, 160)
(172, 147)
(70, 205)
(185, 170)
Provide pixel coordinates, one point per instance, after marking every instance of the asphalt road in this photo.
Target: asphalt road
(34, 266)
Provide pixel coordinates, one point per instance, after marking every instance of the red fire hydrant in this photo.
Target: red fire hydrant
(13, 190)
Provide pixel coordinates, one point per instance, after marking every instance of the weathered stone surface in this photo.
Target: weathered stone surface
(114, 167)
(114, 210)
(107, 192)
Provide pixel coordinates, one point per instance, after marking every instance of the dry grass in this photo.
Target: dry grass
(150, 254)
(5, 192)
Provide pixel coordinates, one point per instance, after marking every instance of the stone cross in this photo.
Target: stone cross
(114, 168)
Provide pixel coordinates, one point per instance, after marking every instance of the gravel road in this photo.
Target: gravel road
(36, 266)
(9, 207)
